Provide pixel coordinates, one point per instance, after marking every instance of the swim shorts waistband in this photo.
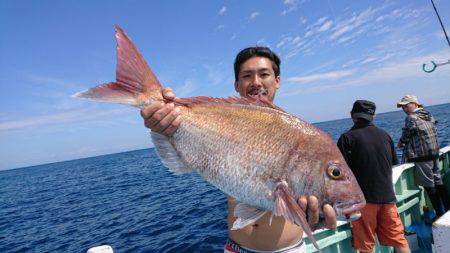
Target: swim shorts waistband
(233, 247)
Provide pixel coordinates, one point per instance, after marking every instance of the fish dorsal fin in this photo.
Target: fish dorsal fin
(135, 83)
(287, 206)
(261, 101)
(246, 215)
(168, 155)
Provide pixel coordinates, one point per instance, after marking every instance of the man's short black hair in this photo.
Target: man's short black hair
(250, 52)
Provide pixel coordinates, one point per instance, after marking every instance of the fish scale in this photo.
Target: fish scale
(229, 131)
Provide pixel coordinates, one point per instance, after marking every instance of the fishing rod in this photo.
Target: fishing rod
(435, 65)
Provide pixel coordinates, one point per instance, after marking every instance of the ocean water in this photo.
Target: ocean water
(130, 201)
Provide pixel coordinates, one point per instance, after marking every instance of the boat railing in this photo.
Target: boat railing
(410, 203)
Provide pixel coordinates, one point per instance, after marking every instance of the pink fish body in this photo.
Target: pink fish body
(250, 149)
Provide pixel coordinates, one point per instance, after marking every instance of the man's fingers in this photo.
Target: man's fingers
(148, 111)
(162, 118)
(167, 120)
(303, 203)
(313, 212)
(168, 93)
(330, 216)
(154, 122)
(170, 130)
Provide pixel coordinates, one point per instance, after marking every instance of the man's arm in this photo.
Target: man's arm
(407, 130)
(393, 153)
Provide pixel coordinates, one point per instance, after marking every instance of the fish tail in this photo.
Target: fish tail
(135, 83)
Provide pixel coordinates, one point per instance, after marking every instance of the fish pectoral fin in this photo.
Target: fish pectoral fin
(246, 215)
(168, 155)
(287, 206)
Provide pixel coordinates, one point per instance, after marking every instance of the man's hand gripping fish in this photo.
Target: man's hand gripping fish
(249, 148)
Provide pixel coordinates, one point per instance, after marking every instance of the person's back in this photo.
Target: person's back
(369, 152)
(370, 155)
(421, 135)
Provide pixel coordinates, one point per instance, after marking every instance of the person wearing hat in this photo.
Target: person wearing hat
(420, 145)
(369, 152)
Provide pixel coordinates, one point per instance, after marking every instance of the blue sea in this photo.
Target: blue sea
(130, 201)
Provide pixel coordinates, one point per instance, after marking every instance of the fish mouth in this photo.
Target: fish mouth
(349, 211)
(257, 92)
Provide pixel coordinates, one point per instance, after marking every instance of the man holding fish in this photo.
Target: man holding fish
(257, 75)
(276, 168)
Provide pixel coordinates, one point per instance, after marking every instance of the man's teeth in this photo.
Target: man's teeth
(255, 92)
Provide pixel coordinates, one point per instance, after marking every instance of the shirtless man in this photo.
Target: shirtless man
(257, 73)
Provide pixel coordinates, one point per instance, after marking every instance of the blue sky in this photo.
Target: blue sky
(332, 52)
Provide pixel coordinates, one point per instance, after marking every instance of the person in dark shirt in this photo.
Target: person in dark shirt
(369, 152)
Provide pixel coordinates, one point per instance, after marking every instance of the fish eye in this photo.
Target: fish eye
(335, 172)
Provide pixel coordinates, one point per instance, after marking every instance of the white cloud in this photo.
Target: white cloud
(323, 66)
(381, 18)
(352, 23)
(292, 53)
(220, 27)
(320, 21)
(308, 33)
(253, 15)
(60, 118)
(215, 75)
(294, 45)
(303, 20)
(56, 82)
(333, 75)
(327, 25)
(401, 69)
(350, 63)
(56, 90)
(372, 22)
(398, 72)
(296, 40)
(396, 13)
(345, 39)
(290, 2)
(186, 89)
(222, 11)
(291, 5)
(283, 41)
(440, 35)
(262, 43)
(370, 59)
(234, 36)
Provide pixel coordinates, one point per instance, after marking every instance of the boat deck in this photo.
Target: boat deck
(411, 201)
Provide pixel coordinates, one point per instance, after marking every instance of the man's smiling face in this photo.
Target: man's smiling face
(257, 78)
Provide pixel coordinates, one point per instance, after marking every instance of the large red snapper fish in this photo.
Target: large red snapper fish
(249, 148)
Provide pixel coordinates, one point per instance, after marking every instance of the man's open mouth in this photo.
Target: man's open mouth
(257, 91)
(349, 212)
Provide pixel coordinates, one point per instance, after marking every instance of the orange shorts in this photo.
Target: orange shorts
(380, 219)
